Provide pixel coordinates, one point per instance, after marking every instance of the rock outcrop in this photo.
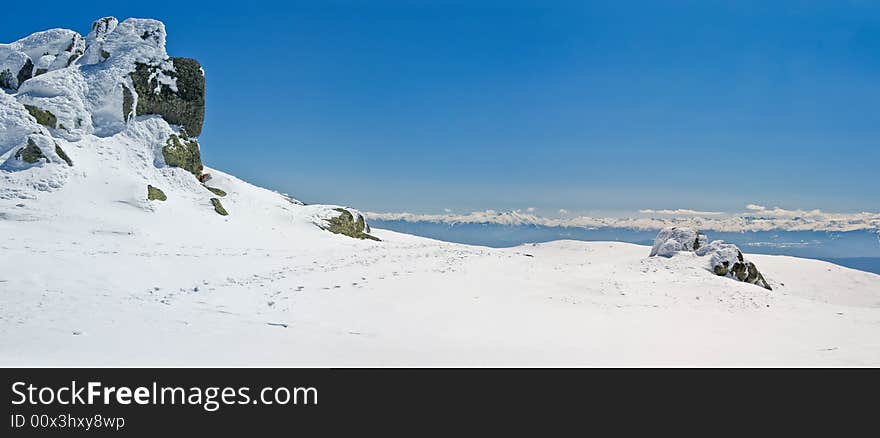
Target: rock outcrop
(673, 239)
(348, 224)
(724, 259)
(183, 152)
(38, 54)
(31, 153)
(116, 104)
(174, 90)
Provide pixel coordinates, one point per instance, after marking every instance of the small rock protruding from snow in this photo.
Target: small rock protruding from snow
(674, 239)
(341, 220)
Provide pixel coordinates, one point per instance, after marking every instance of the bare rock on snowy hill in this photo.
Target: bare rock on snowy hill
(673, 239)
(726, 260)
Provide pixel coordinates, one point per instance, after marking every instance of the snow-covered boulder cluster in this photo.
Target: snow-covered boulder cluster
(724, 259)
(674, 239)
(37, 54)
(77, 86)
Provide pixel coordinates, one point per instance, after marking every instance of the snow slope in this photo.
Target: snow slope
(94, 273)
(86, 292)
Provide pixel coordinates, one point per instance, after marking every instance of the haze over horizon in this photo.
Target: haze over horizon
(583, 106)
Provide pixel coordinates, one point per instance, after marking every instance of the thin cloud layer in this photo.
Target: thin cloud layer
(755, 219)
(681, 212)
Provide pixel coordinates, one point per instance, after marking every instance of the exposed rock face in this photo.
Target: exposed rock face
(183, 153)
(6, 80)
(45, 118)
(725, 259)
(346, 224)
(176, 93)
(25, 72)
(31, 153)
(673, 239)
(61, 154)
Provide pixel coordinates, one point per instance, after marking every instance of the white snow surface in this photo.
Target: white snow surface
(95, 274)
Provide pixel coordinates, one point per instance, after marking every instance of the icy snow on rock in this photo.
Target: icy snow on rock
(674, 239)
(100, 269)
(726, 259)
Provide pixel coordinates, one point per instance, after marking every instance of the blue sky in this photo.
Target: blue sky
(587, 106)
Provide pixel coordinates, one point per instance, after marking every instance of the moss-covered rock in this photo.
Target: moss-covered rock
(216, 191)
(184, 107)
(43, 117)
(183, 153)
(346, 224)
(63, 155)
(31, 153)
(155, 194)
(218, 207)
(726, 260)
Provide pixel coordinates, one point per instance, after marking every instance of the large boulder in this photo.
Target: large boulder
(674, 239)
(726, 260)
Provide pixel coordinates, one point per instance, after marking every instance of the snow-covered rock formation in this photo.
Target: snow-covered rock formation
(113, 108)
(725, 259)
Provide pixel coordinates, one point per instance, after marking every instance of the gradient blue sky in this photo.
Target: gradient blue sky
(587, 106)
